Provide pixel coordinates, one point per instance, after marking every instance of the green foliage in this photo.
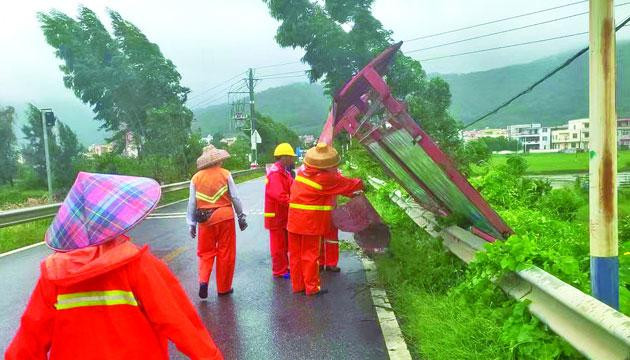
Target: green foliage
(64, 150)
(64, 162)
(14, 237)
(499, 143)
(124, 77)
(335, 55)
(563, 203)
(504, 186)
(272, 133)
(472, 153)
(8, 146)
(239, 154)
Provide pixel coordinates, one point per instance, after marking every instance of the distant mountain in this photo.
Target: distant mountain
(560, 98)
(303, 107)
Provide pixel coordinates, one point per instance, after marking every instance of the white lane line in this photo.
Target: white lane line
(21, 249)
(166, 217)
(394, 341)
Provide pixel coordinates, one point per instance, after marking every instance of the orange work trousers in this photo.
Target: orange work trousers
(279, 251)
(304, 260)
(330, 253)
(217, 240)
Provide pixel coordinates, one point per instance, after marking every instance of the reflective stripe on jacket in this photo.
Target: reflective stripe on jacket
(113, 301)
(277, 188)
(313, 197)
(212, 192)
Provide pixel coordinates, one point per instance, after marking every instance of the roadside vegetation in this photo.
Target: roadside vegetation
(450, 311)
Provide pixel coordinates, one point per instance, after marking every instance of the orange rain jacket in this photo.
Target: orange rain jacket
(278, 185)
(313, 197)
(113, 301)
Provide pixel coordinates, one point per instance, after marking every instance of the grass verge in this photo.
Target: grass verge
(558, 163)
(418, 275)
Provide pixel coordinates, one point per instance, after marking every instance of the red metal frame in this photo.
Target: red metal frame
(350, 105)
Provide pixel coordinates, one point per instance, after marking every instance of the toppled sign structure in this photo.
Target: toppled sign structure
(366, 110)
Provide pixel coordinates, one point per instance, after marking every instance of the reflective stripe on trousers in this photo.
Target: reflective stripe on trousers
(311, 207)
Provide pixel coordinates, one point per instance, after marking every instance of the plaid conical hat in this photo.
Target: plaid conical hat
(99, 208)
(210, 156)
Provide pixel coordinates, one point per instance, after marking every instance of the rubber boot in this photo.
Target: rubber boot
(203, 290)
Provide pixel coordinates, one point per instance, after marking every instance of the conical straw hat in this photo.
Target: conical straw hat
(322, 156)
(99, 208)
(210, 156)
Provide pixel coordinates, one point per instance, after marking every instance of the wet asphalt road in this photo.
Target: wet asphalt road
(262, 319)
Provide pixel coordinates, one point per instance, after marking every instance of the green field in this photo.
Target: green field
(557, 163)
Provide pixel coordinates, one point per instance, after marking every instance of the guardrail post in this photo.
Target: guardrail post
(603, 154)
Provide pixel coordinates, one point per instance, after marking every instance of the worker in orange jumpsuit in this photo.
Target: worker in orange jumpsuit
(312, 199)
(278, 185)
(99, 296)
(329, 256)
(212, 195)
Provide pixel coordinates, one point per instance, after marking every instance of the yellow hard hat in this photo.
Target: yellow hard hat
(284, 149)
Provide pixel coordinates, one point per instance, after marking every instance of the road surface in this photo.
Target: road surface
(262, 319)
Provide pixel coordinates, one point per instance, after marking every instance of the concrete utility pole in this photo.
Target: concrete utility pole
(252, 114)
(603, 154)
(44, 113)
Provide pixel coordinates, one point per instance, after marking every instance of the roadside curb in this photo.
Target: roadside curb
(394, 340)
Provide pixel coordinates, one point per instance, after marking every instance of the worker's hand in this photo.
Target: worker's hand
(242, 223)
(357, 193)
(193, 231)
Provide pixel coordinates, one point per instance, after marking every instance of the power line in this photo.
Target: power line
(495, 21)
(210, 100)
(284, 77)
(216, 86)
(505, 31)
(216, 92)
(547, 76)
(495, 33)
(504, 46)
(276, 65)
(284, 73)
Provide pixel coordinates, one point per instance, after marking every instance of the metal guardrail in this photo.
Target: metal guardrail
(25, 215)
(592, 327)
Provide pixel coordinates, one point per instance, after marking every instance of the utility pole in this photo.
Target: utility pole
(252, 116)
(603, 154)
(48, 120)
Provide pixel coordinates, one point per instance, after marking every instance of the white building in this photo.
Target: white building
(531, 137)
(228, 140)
(574, 135)
(623, 133)
(131, 149)
(208, 139)
(308, 140)
(98, 149)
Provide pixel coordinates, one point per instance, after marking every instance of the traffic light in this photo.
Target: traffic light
(49, 116)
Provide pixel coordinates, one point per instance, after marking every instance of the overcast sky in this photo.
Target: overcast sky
(211, 41)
